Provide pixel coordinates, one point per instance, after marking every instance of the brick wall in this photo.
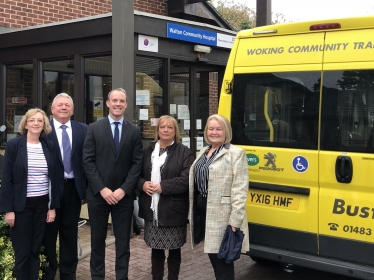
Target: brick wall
(23, 13)
(157, 7)
(213, 93)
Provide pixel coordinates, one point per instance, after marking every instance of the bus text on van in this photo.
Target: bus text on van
(311, 48)
(341, 208)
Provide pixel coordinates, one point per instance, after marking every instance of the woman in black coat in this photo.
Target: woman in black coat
(28, 191)
(163, 200)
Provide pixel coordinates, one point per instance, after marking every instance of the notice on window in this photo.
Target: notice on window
(199, 143)
(183, 112)
(186, 141)
(198, 124)
(17, 120)
(186, 125)
(142, 97)
(143, 114)
(98, 105)
(173, 109)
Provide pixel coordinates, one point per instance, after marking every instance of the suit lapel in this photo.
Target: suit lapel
(74, 135)
(124, 134)
(221, 153)
(108, 133)
(53, 137)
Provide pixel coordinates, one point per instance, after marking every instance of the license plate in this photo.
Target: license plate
(278, 200)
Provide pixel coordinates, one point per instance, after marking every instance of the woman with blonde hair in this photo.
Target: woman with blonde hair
(163, 200)
(218, 188)
(28, 190)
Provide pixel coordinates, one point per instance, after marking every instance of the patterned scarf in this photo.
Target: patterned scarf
(157, 162)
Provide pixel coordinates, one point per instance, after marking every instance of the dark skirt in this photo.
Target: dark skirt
(167, 238)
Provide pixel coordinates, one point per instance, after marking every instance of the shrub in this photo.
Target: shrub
(7, 253)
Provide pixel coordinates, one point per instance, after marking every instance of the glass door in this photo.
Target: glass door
(193, 97)
(179, 100)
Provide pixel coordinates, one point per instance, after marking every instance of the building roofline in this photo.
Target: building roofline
(106, 15)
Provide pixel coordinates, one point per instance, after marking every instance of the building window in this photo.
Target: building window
(18, 96)
(58, 76)
(98, 83)
(149, 97)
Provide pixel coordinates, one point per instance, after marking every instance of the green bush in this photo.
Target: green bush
(7, 253)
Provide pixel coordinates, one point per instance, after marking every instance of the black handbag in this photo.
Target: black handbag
(231, 245)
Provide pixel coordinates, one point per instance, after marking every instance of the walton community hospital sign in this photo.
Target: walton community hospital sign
(199, 36)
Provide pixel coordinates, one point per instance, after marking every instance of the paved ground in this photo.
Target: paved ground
(195, 264)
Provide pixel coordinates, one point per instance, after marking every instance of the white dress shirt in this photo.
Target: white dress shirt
(113, 126)
(69, 131)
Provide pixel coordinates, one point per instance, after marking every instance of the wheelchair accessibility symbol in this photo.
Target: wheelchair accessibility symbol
(300, 164)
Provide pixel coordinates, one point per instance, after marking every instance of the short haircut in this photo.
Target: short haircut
(117, 89)
(177, 137)
(224, 123)
(62, 94)
(46, 127)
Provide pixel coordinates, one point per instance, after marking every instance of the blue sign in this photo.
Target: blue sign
(189, 34)
(300, 164)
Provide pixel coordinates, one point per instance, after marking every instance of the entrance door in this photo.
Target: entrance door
(193, 97)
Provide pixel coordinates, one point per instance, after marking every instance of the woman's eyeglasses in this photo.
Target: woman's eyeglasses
(33, 121)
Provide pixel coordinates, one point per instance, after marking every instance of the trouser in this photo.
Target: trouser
(66, 226)
(121, 212)
(27, 235)
(222, 270)
(201, 202)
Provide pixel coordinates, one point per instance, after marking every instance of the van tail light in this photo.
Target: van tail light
(324, 26)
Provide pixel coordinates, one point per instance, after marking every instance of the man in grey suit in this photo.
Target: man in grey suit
(69, 136)
(112, 156)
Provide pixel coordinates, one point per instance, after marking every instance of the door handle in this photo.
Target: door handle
(344, 169)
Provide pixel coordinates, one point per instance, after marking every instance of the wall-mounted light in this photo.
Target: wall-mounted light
(201, 48)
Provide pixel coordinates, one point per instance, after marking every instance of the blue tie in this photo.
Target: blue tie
(116, 136)
(66, 149)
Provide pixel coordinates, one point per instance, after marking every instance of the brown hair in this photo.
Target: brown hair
(46, 127)
(177, 137)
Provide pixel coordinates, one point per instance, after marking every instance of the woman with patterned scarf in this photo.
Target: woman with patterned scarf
(163, 200)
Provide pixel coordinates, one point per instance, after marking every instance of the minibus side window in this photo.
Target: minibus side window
(276, 109)
(348, 111)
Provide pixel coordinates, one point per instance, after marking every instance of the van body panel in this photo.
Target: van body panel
(349, 46)
(278, 68)
(347, 210)
(295, 49)
(283, 209)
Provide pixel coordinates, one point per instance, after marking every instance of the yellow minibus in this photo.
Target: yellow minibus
(300, 98)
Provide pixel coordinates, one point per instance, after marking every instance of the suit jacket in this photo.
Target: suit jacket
(15, 169)
(227, 195)
(103, 166)
(173, 204)
(79, 131)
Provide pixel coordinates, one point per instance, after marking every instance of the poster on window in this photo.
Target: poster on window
(17, 120)
(143, 114)
(186, 141)
(142, 97)
(98, 105)
(183, 112)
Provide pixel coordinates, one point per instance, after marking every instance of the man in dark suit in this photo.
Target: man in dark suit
(69, 136)
(112, 156)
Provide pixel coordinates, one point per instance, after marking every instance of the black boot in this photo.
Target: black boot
(158, 269)
(173, 268)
